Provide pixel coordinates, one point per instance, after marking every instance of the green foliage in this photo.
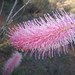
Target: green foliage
(0, 72)
(18, 71)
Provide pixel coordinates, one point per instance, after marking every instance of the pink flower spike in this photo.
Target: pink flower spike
(46, 37)
(12, 63)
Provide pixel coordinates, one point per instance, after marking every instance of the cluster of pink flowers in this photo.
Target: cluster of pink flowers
(12, 63)
(44, 36)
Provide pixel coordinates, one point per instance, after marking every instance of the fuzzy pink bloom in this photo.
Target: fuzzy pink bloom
(12, 63)
(45, 36)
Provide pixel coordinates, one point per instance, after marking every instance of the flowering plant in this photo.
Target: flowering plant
(46, 37)
(42, 37)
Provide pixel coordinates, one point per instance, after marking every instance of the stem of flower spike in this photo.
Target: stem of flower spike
(4, 44)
